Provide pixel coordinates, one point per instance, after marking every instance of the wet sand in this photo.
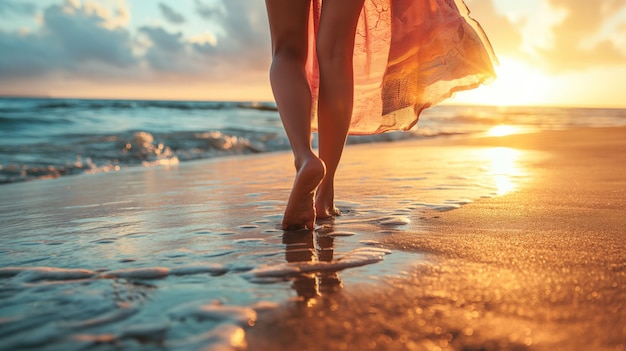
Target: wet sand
(512, 243)
(540, 268)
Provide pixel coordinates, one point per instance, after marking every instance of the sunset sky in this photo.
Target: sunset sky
(552, 52)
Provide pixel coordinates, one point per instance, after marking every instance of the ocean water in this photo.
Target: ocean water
(49, 138)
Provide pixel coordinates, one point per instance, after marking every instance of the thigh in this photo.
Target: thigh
(338, 23)
(289, 20)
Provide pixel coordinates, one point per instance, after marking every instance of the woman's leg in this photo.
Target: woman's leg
(289, 30)
(335, 47)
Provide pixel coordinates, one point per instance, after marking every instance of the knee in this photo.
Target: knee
(333, 51)
(293, 52)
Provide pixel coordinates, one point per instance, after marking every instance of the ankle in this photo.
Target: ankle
(326, 192)
(301, 160)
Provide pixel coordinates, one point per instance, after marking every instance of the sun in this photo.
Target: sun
(517, 84)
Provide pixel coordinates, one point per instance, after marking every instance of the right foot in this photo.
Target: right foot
(300, 211)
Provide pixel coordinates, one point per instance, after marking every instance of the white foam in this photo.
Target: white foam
(394, 221)
(373, 250)
(29, 274)
(243, 316)
(211, 268)
(354, 258)
(340, 233)
(239, 266)
(445, 208)
(142, 333)
(225, 337)
(460, 201)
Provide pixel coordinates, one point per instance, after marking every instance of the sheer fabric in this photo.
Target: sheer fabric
(409, 55)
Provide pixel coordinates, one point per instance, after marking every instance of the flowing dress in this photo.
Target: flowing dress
(409, 55)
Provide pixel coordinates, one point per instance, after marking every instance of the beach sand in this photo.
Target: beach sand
(540, 268)
(508, 243)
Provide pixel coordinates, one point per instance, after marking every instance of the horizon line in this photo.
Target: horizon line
(445, 103)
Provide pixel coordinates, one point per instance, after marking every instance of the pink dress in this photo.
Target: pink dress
(409, 55)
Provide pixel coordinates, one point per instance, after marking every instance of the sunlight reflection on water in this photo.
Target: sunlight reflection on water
(503, 130)
(504, 168)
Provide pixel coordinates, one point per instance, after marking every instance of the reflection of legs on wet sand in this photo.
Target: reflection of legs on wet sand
(329, 281)
(300, 247)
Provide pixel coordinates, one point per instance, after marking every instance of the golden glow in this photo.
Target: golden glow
(238, 338)
(517, 84)
(502, 130)
(504, 167)
(236, 89)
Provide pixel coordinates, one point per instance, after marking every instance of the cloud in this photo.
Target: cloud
(85, 41)
(244, 39)
(163, 40)
(82, 36)
(26, 56)
(583, 24)
(72, 39)
(11, 7)
(168, 52)
(209, 11)
(171, 15)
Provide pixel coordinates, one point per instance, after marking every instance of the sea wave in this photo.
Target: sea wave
(6, 122)
(48, 138)
(95, 153)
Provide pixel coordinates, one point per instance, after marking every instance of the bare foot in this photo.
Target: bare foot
(325, 201)
(300, 211)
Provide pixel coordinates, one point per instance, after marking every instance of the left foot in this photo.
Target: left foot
(300, 211)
